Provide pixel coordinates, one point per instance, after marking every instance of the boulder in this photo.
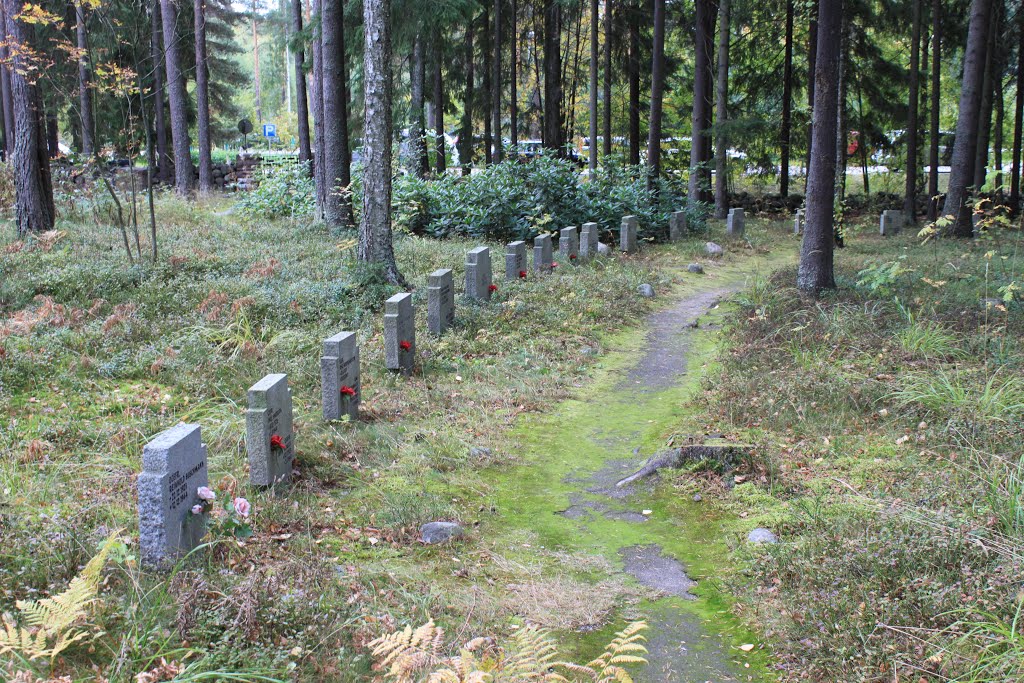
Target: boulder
(646, 291)
(603, 249)
(439, 532)
(695, 268)
(712, 249)
(762, 535)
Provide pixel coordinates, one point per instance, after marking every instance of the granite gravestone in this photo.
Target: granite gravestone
(890, 223)
(627, 234)
(542, 256)
(339, 376)
(440, 301)
(588, 241)
(173, 470)
(515, 260)
(569, 244)
(479, 274)
(798, 222)
(268, 432)
(400, 333)
(735, 223)
(677, 226)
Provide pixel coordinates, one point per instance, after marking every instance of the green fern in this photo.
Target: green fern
(47, 627)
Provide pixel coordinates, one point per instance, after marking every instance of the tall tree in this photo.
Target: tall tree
(375, 244)
(85, 117)
(485, 81)
(420, 164)
(595, 21)
(633, 74)
(164, 164)
(812, 58)
(499, 149)
(936, 89)
(184, 175)
(702, 80)
(203, 100)
(786, 134)
(440, 150)
(965, 145)
(657, 93)
(910, 194)
(606, 94)
(513, 98)
(988, 84)
(317, 102)
(466, 134)
(722, 104)
(337, 176)
(33, 189)
(257, 81)
(6, 101)
(816, 270)
(1018, 119)
(301, 98)
(553, 76)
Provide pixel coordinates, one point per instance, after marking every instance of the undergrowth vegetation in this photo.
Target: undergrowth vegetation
(889, 417)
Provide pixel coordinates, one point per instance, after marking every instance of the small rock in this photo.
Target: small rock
(588, 351)
(439, 532)
(646, 291)
(479, 453)
(695, 268)
(697, 498)
(762, 535)
(712, 249)
(603, 249)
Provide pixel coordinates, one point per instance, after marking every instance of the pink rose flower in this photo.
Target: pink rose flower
(197, 509)
(205, 493)
(242, 507)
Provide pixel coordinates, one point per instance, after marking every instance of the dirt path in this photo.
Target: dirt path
(585, 445)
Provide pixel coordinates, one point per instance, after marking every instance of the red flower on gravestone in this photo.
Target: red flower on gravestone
(277, 442)
(522, 274)
(555, 264)
(405, 345)
(348, 391)
(572, 257)
(492, 288)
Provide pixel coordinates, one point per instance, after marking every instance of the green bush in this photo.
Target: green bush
(288, 193)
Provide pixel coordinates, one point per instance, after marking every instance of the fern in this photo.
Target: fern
(45, 628)
(531, 656)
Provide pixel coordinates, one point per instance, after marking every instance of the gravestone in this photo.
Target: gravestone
(173, 470)
(542, 256)
(478, 273)
(268, 432)
(627, 234)
(798, 222)
(400, 333)
(440, 301)
(735, 223)
(515, 260)
(677, 226)
(339, 376)
(588, 241)
(569, 244)
(890, 223)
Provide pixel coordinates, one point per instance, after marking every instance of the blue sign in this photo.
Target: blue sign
(270, 130)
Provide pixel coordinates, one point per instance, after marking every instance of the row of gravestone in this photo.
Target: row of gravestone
(172, 520)
(890, 222)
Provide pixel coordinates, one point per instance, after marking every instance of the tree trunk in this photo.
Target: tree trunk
(440, 150)
(184, 175)
(812, 57)
(375, 231)
(337, 208)
(33, 190)
(486, 74)
(317, 101)
(785, 134)
(985, 118)
(607, 85)
(816, 253)
(633, 68)
(997, 140)
(936, 134)
(257, 90)
(417, 129)
(722, 104)
(657, 93)
(499, 148)
(595, 21)
(164, 163)
(203, 100)
(301, 98)
(553, 76)
(513, 102)
(840, 120)
(910, 194)
(1018, 119)
(466, 136)
(85, 117)
(965, 145)
(699, 145)
(6, 102)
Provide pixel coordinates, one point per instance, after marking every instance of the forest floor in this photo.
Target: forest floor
(885, 422)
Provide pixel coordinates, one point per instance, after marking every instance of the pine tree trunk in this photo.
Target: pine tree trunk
(420, 163)
(997, 141)
(337, 209)
(88, 128)
(985, 119)
(633, 73)
(486, 73)
(553, 76)
(317, 102)
(466, 136)
(607, 85)
(786, 134)
(184, 175)
(595, 21)
(910, 194)
(816, 253)
(722, 105)
(657, 93)
(164, 165)
(301, 97)
(812, 57)
(702, 81)
(375, 231)
(513, 102)
(499, 148)
(6, 102)
(440, 149)
(33, 191)
(203, 100)
(256, 80)
(840, 120)
(1018, 120)
(936, 134)
(965, 145)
